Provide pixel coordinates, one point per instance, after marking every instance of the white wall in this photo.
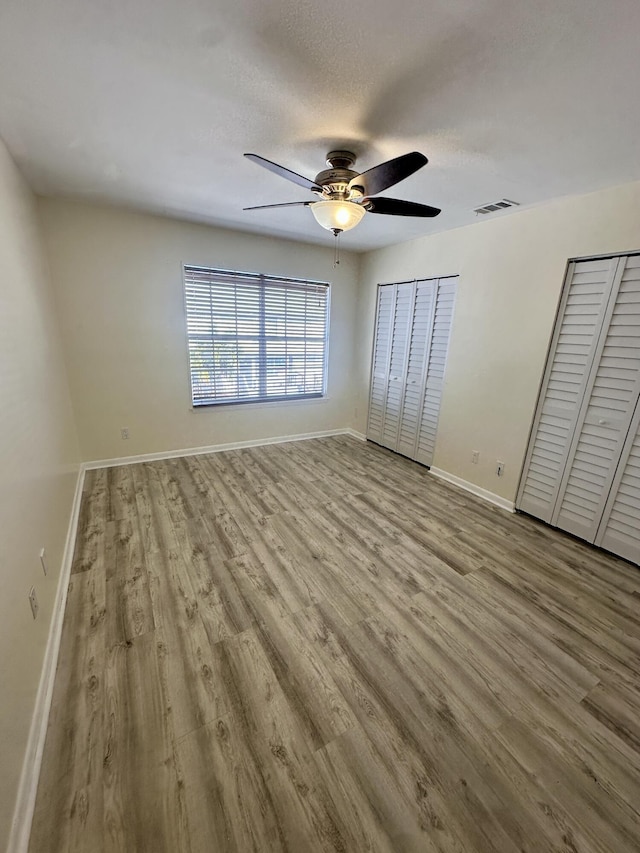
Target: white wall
(118, 281)
(511, 272)
(38, 468)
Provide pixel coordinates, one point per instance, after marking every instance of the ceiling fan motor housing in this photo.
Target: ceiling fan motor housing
(335, 180)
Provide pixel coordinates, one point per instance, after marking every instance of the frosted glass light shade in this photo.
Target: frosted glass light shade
(337, 215)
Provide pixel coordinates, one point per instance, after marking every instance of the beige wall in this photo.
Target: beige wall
(511, 271)
(118, 281)
(38, 469)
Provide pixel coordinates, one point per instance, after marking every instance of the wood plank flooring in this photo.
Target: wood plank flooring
(318, 646)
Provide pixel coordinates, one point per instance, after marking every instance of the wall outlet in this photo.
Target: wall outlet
(33, 601)
(500, 468)
(124, 433)
(43, 561)
(475, 456)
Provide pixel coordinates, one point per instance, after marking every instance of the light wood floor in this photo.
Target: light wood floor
(320, 647)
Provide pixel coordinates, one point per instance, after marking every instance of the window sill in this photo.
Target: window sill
(249, 405)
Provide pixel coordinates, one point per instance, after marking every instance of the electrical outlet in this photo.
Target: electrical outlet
(33, 601)
(124, 433)
(475, 456)
(43, 561)
(500, 468)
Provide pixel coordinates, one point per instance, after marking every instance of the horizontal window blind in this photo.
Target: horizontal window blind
(254, 337)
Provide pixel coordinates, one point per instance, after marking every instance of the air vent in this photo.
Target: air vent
(495, 206)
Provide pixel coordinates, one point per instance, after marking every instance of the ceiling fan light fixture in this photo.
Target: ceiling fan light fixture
(337, 215)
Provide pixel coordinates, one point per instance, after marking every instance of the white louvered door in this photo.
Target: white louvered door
(437, 360)
(580, 320)
(402, 316)
(421, 335)
(380, 366)
(409, 354)
(620, 527)
(582, 472)
(606, 414)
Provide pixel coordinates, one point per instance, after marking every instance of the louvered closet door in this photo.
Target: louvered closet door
(620, 527)
(575, 341)
(380, 365)
(420, 338)
(605, 417)
(402, 314)
(437, 359)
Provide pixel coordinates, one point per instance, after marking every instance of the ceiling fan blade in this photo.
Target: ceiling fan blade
(284, 173)
(284, 204)
(387, 174)
(395, 207)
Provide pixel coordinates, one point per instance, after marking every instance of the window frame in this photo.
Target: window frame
(264, 279)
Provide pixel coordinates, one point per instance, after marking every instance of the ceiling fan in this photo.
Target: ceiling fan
(344, 195)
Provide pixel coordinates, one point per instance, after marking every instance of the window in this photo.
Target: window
(254, 337)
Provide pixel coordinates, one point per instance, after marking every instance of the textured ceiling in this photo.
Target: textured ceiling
(151, 103)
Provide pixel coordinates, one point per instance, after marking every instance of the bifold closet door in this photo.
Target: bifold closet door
(436, 364)
(581, 317)
(391, 348)
(380, 367)
(582, 472)
(417, 364)
(619, 529)
(409, 355)
(400, 342)
(607, 411)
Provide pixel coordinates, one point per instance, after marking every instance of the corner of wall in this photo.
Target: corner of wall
(41, 458)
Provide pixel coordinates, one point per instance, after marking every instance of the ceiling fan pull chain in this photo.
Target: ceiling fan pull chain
(336, 257)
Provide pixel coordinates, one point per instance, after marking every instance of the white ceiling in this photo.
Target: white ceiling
(151, 103)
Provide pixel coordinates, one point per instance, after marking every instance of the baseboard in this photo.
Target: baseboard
(486, 495)
(217, 448)
(354, 434)
(28, 787)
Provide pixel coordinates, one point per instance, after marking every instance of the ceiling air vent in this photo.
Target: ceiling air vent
(495, 206)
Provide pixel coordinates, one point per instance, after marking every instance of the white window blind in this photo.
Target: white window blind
(254, 337)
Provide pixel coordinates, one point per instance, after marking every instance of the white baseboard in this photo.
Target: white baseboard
(486, 495)
(354, 434)
(216, 448)
(28, 787)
